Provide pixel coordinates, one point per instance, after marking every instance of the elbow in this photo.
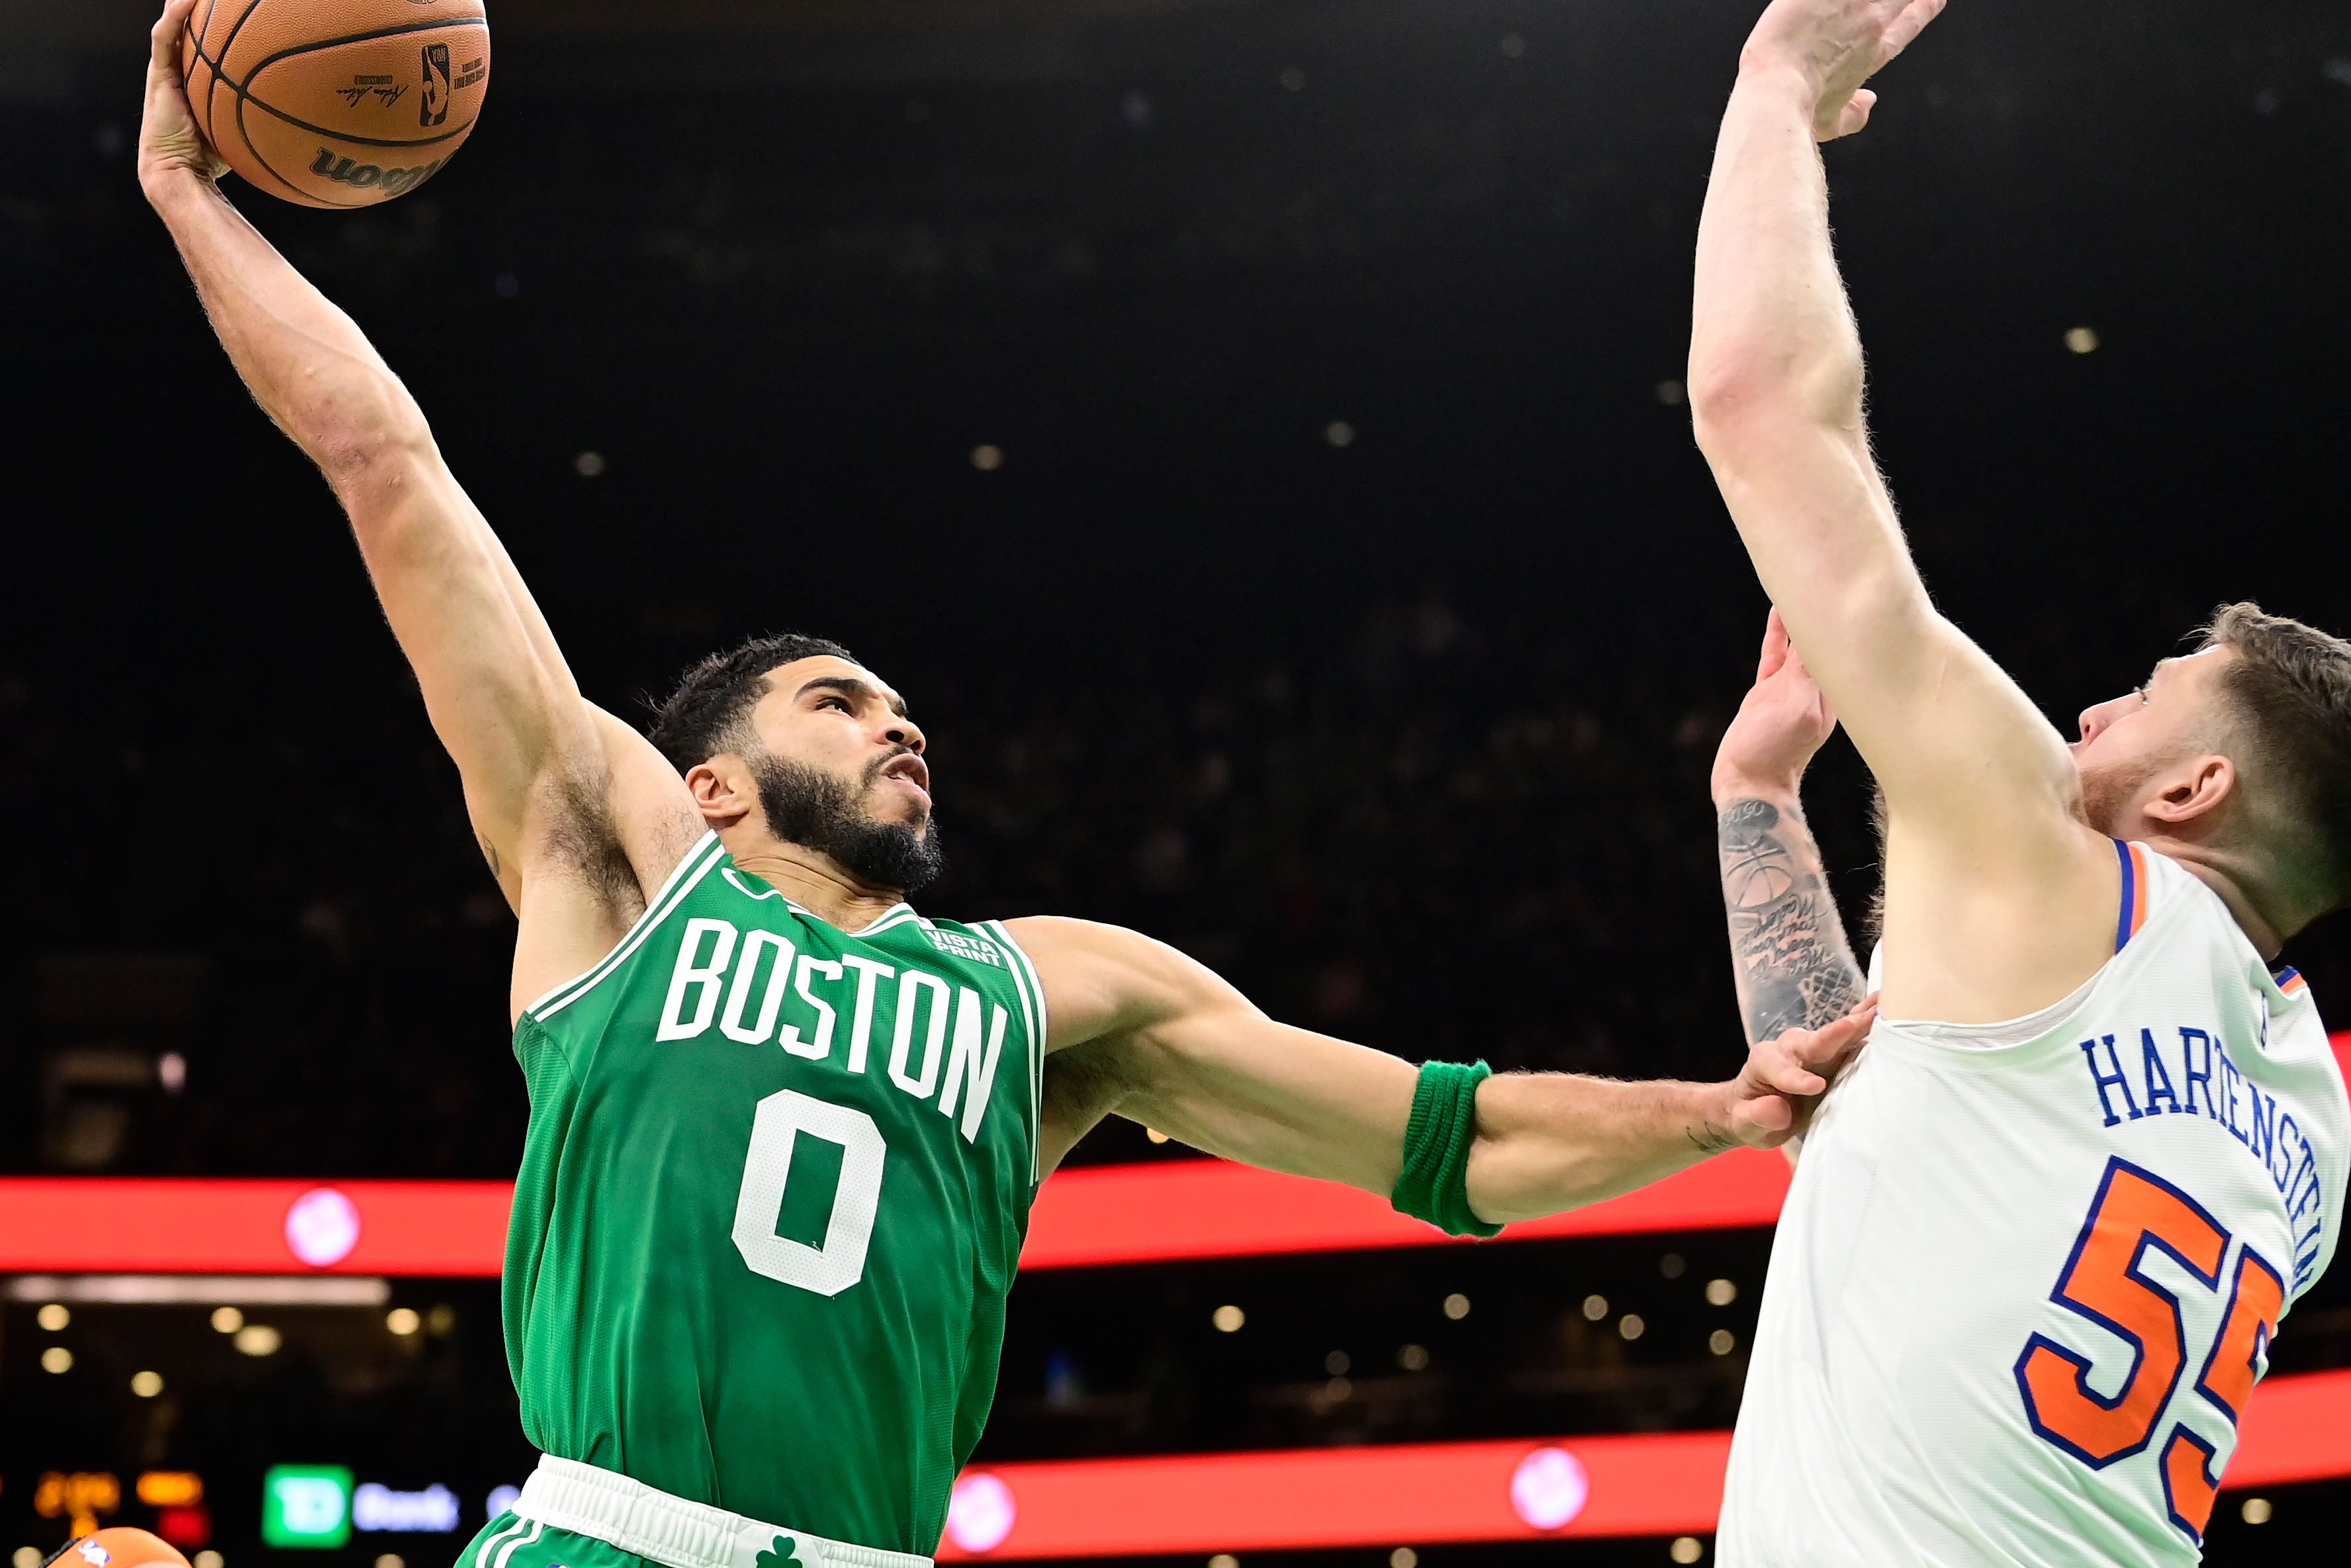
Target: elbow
(1745, 396)
(374, 455)
(1725, 393)
(352, 415)
(368, 431)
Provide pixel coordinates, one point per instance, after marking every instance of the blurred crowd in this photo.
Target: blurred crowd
(254, 934)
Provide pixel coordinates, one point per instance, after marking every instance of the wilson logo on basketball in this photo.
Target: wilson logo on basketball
(434, 107)
(368, 176)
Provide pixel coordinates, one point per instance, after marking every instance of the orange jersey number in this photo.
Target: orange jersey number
(2136, 1210)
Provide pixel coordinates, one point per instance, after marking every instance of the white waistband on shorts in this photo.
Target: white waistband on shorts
(634, 1516)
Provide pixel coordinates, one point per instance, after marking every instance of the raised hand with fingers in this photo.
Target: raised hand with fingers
(1782, 722)
(1838, 44)
(170, 144)
(1795, 968)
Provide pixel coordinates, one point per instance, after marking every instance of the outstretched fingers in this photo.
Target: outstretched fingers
(1781, 1067)
(1910, 23)
(1826, 1051)
(1786, 1076)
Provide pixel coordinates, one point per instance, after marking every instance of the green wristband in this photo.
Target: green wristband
(1435, 1183)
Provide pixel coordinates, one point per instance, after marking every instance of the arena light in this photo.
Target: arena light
(2298, 1429)
(1088, 1216)
(432, 1511)
(306, 1506)
(171, 1489)
(201, 1290)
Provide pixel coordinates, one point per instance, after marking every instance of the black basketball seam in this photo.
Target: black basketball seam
(271, 168)
(243, 98)
(220, 75)
(193, 32)
(212, 89)
(314, 46)
(219, 66)
(212, 92)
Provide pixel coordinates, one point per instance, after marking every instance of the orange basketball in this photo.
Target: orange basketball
(119, 1547)
(337, 103)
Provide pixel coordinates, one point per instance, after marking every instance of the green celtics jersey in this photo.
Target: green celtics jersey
(775, 1188)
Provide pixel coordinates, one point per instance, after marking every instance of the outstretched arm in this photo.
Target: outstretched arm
(1997, 891)
(1795, 968)
(1140, 1029)
(576, 813)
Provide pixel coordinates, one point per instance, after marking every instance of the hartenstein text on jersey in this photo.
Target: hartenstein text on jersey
(2210, 1083)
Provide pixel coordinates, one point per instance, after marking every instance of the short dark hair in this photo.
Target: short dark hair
(703, 716)
(2290, 686)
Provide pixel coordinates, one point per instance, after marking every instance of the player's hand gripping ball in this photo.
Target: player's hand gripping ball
(118, 1547)
(336, 103)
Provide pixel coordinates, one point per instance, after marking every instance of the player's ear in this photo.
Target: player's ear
(723, 789)
(2195, 790)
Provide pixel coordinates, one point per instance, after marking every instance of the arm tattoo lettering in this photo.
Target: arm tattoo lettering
(1795, 968)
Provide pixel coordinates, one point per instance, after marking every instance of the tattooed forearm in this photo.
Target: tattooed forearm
(1710, 1137)
(1794, 966)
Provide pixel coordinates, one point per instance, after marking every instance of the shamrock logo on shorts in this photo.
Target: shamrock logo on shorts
(782, 1555)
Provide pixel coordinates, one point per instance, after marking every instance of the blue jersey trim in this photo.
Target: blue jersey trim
(2130, 891)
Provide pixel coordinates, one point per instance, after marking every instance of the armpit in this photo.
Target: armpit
(583, 842)
(1083, 1085)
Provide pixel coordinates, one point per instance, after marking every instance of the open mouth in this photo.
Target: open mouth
(911, 770)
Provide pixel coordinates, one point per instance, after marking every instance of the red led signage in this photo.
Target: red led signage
(1090, 1216)
(1098, 1214)
(2298, 1429)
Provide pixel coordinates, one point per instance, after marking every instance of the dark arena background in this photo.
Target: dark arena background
(1250, 432)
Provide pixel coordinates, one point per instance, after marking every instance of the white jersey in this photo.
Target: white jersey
(2028, 1272)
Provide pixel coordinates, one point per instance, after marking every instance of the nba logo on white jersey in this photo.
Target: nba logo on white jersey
(2028, 1274)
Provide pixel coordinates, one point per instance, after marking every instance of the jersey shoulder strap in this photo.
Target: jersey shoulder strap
(697, 865)
(988, 948)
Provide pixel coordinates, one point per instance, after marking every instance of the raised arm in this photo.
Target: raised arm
(575, 811)
(1142, 1030)
(1795, 968)
(1997, 891)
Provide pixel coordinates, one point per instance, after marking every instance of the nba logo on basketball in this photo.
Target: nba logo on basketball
(434, 107)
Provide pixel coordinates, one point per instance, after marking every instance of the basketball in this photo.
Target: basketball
(118, 1547)
(337, 103)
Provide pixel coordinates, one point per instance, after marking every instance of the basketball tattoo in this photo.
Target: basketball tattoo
(1794, 969)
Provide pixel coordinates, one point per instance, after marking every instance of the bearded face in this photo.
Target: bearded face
(834, 816)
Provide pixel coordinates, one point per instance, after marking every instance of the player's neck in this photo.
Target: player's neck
(2260, 911)
(816, 882)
